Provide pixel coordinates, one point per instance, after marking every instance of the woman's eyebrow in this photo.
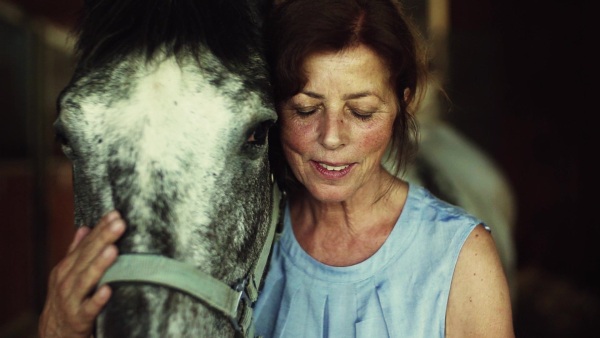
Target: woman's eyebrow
(345, 97)
(354, 96)
(313, 94)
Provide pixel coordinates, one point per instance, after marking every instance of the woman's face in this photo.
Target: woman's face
(335, 131)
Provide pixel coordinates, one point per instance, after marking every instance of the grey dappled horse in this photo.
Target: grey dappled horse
(166, 120)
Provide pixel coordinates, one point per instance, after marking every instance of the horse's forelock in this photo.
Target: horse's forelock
(109, 30)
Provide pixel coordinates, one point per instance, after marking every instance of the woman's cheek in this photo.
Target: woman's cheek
(297, 136)
(375, 142)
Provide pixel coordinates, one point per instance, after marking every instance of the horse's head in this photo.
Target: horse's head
(166, 120)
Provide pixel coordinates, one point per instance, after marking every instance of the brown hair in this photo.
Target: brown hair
(296, 29)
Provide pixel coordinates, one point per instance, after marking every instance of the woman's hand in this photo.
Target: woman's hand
(73, 303)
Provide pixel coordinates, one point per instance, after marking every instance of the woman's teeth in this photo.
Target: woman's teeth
(329, 167)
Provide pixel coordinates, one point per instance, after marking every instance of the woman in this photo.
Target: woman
(362, 252)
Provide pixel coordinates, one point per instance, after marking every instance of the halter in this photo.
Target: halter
(235, 302)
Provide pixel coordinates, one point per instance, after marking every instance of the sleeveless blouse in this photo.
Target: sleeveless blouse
(400, 291)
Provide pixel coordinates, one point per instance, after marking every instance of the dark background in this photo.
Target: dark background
(519, 76)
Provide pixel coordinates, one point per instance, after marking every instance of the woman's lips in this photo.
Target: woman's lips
(332, 171)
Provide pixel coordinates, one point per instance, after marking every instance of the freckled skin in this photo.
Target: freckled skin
(339, 86)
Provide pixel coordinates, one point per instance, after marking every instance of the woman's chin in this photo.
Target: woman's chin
(330, 194)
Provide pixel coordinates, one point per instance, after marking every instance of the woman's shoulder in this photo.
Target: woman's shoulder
(422, 202)
(479, 291)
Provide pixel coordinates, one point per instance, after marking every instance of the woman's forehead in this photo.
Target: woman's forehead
(352, 74)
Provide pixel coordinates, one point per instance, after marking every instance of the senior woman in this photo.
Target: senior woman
(362, 253)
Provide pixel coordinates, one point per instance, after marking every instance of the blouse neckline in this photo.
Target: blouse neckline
(387, 253)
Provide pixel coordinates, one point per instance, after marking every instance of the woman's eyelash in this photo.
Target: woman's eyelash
(362, 116)
(305, 110)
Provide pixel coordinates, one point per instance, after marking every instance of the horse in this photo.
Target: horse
(166, 120)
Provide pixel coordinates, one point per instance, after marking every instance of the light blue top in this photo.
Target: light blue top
(400, 291)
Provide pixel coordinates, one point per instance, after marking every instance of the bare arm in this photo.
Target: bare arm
(72, 305)
(479, 302)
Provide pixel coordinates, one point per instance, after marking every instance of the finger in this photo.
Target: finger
(79, 235)
(92, 306)
(70, 285)
(103, 227)
(65, 265)
(107, 232)
(90, 245)
(88, 279)
(80, 323)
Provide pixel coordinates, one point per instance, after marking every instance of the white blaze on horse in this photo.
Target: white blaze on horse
(166, 120)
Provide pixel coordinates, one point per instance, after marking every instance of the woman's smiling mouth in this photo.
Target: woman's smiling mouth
(332, 171)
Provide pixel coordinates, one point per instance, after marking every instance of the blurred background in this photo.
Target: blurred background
(519, 77)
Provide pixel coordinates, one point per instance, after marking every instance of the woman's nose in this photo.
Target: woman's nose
(332, 131)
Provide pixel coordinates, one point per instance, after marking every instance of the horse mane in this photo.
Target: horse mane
(111, 30)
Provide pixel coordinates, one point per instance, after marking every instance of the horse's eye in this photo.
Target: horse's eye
(65, 146)
(258, 135)
(61, 137)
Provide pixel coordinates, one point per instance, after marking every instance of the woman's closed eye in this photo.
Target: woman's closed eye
(305, 110)
(362, 115)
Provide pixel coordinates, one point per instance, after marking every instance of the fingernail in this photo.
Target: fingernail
(103, 292)
(108, 252)
(117, 226)
(112, 215)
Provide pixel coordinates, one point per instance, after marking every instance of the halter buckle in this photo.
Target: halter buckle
(243, 320)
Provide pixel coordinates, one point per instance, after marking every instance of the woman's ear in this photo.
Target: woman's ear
(406, 94)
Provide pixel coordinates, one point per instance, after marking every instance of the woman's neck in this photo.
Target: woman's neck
(347, 232)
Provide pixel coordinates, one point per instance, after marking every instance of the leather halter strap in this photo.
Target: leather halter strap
(229, 300)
